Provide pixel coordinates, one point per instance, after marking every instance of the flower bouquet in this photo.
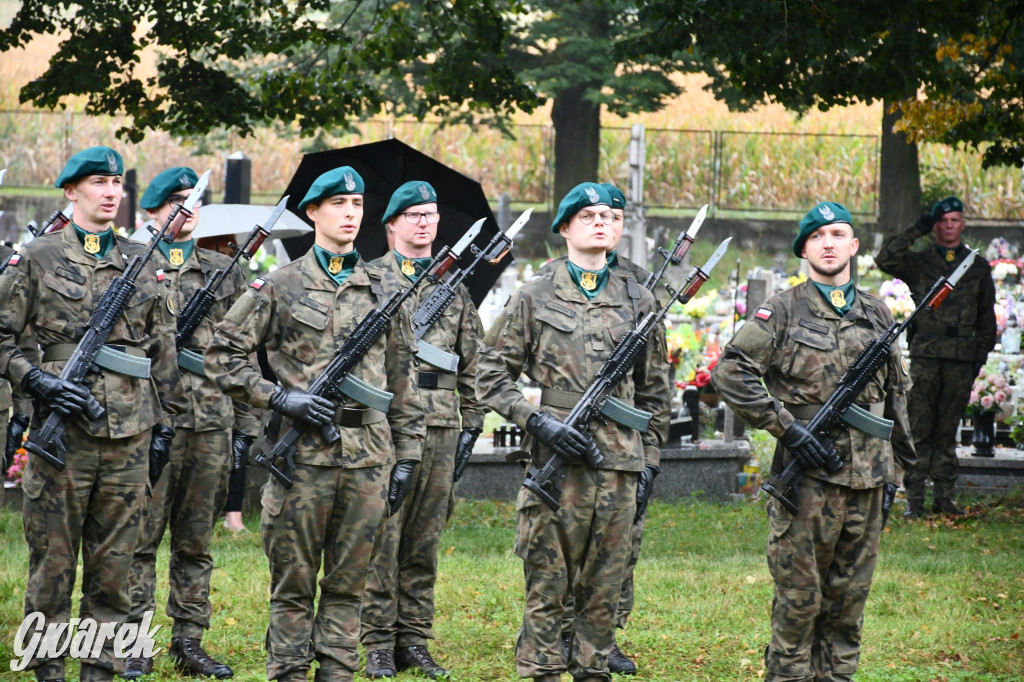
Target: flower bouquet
(17, 468)
(896, 295)
(991, 393)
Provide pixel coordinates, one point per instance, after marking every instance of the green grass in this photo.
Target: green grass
(947, 602)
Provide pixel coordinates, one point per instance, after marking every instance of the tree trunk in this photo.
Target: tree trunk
(577, 123)
(899, 190)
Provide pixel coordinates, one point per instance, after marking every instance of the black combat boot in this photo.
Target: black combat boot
(137, 667)
(380, 663)
(417, 656)
(619, 663)
(190, 658)
(944, 505)
(915, 509)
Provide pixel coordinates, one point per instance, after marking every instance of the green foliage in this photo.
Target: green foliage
(237, 65)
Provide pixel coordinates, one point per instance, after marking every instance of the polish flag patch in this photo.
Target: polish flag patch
(763, 314)
(15, 259)
(257, 284)
(160, 275)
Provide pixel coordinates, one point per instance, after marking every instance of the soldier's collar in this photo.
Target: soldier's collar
(96, 244)
(177, 253)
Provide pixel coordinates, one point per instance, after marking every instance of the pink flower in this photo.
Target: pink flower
(1000, 382)
(974, 397)
(986, 402)
(981, 374)
(1000, 396)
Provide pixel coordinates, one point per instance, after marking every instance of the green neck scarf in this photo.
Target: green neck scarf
(177, 252)
(613, 259)
(96, 244)
(412, 268)
(337, 267)
(589, 283)
(840, 298)
(949, 255)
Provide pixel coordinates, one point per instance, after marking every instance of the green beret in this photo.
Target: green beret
(412, 193)
(167, 183)
(618, 198)
(342, 180)
(91, 161)
(947, 205)
(582, 195)
(825, 213)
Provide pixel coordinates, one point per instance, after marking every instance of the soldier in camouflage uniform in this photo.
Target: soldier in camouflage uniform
(398, 606)
(559, 329)
(97, 500)
(190, 493)
(12, 426)
(948, 346)
(618, 662)
(775, 374)
(302, 313)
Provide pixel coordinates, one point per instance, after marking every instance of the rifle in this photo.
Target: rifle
(679, 249)
(108, 311)
(335, 381)
(202, 300)
(57, 221)
(840, 406)
(440, 298)
(598, 403)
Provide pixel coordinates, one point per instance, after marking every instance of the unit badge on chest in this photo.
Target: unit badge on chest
(334, 267)
(177, 257)
(408, 268)
(838, 298)
(588, 280)
(950, 255)
(92, 243)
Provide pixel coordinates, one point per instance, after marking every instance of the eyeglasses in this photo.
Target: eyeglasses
(587, 217)
(178, 200)
(414, 218)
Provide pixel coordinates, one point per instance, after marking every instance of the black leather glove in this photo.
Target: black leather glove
(805, 447)
(62, 396)
(925, 223)
(401, 484)
(644, 488)
(467, 439)
(159, 452)
(15, 430)
(240, 445)
(888, 497)
(566, 441)
(297, 404)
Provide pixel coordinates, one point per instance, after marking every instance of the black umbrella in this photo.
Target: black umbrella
(384, 166)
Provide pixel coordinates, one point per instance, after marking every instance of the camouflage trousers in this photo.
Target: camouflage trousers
(626, 596)
(330, 513)
(398, 606)
(95, 503)
(188, 497)
(5, 420)
(585, 539)
(937, 401)
(821, 560)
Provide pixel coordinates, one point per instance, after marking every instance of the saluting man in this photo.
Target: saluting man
(559, 329)
(398, 607)
(190, 493)
(302, 314)
(96, 502)
(776, 373)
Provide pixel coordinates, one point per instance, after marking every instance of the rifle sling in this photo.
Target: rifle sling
(867, 418)
(191, 361)
(120, 359)
(617, 410)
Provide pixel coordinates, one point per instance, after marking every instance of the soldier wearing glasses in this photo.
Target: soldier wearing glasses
(190, 493)
(398, 606)
(559, 329)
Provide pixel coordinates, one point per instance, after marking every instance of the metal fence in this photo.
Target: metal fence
(738, 172)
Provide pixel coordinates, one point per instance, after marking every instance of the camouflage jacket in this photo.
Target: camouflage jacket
(553, 334)
(208, 408)
(302, 318)
(13, 396)
(49, 297)
(800, 347)
(458, 331)
(964, 326)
